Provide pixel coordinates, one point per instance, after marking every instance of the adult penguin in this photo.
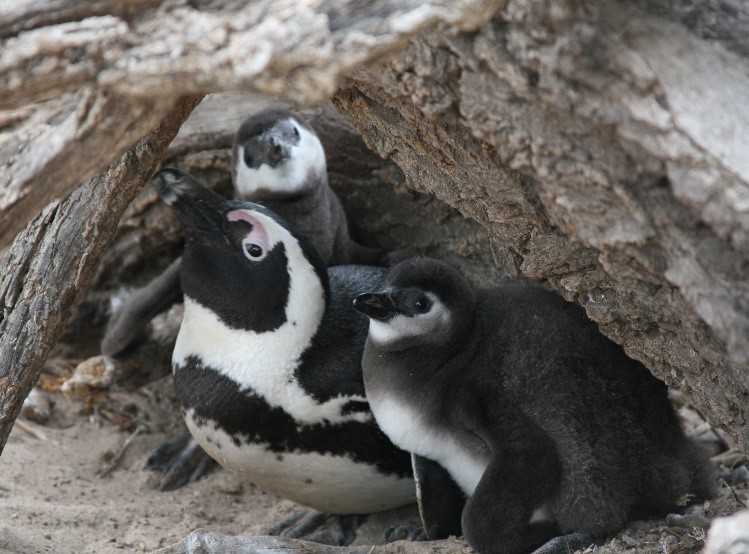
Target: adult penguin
(278, 161)
(267, 363)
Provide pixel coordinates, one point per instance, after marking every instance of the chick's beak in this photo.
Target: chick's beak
(376, 305)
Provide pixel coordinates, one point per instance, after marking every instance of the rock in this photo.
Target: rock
(37, 407)
(729, 535)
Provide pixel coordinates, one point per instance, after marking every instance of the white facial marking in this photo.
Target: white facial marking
(307, 156)
(401, 326)
(255, 246)
(265, 362)
(332, 484)
(407, 429)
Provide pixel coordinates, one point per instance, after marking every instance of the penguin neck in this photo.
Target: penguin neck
(256, 360)
(307, 199)
(425, 361)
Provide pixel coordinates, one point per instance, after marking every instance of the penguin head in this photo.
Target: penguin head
(276, 154)
(425, 302)
(240, 259)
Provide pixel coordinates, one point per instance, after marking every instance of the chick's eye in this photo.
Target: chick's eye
(421, 304)
(296, 132)
(253, 250)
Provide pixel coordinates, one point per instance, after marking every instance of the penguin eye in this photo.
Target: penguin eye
(422, 304)
(296, 131)
(254, 251)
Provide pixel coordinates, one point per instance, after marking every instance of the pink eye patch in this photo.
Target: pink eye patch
(257, 235)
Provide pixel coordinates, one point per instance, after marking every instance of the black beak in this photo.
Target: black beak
(198, 208)
(277, 150)
(377, 305)
(270, 148)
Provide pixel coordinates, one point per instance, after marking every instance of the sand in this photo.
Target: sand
(69, 492)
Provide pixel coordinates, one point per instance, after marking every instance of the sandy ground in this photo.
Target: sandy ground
(69, 491)
(63, 493)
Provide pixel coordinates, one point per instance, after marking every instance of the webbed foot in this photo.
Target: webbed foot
(566, 544)
(180, 460)
(335, 530)
(404, 533)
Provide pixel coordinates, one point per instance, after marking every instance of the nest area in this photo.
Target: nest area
(106, 423)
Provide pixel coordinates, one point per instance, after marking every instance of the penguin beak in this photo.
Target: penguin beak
(376, 305)
(276, 148)
(198, 207)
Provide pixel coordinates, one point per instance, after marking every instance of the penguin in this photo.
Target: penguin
(554, 435)
(267, 362)
(278, 161)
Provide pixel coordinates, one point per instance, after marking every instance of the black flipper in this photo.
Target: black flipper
(129, 321)
(180, 460)
(523, 473)
(441, 501)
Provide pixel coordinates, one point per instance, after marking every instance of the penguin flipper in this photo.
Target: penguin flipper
(359, 254)
(180, 460)
(523, 474)
(128, 322)
(441, 501)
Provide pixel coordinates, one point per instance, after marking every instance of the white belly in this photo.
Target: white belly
(327, 483)
(408, 431)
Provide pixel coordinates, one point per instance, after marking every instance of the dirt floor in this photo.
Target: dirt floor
(77, 484)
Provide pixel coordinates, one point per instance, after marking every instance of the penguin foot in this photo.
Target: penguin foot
(404, 533)
(335, 530)
(180, 460)
(566, 544)
(339, 530)
(297, 525)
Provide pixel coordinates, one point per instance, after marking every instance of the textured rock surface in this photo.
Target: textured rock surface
(729, 535)
(122, 63)
(586, 139)
(50, 265)
(167, 47)
(205, 542)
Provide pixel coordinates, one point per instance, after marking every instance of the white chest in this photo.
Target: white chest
(264, 363)
(333, 484)
(409, 431)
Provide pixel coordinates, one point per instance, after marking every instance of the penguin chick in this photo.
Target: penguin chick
(277, 160)
(544, 423)
(267, 363)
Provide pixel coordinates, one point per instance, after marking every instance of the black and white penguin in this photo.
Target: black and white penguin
(545, 424)
(278, 161)
(267, 363)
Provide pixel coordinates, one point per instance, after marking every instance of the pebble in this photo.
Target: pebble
(688, 521)
(37, 407)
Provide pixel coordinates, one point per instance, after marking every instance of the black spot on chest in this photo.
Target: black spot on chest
(249, 419)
